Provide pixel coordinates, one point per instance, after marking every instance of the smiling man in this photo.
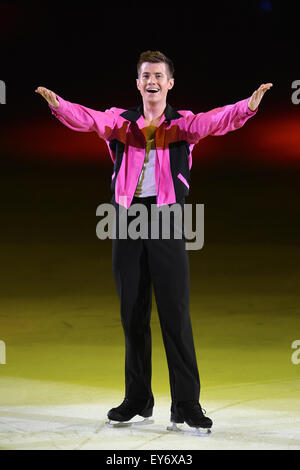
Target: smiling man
(154, 81)
(151, 148)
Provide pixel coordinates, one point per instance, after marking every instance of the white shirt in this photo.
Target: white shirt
(146, 184)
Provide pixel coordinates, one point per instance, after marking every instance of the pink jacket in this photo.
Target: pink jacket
(177, 133)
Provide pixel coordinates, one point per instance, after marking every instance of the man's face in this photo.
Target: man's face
(153, 82)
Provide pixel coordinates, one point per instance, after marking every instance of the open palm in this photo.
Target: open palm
(257, 96)
(49, 96)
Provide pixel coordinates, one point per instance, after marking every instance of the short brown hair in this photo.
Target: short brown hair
(155, 57)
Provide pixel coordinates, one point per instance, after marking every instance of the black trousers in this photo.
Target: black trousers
(162, 263)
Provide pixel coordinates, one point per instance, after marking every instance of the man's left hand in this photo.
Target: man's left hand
(257, 96)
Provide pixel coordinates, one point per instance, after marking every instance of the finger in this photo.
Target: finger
(40, 89)
(52, 97)
(261, 88)
(265, 86)
(45, 93)
(261, 91)
(49, 95)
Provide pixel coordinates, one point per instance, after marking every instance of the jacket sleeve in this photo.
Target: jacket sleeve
(218, 121)
(83, 119)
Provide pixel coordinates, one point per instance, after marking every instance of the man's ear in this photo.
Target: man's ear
(138, 84)
(171, 83)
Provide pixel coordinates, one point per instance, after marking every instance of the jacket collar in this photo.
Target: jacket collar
(133, 114)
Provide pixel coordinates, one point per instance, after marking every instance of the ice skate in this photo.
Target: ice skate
(192, 414)
(122, 415)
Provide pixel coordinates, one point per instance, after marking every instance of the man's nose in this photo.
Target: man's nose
(151, 80)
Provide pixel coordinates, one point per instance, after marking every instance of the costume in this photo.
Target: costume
(176, 135)
(162, 263)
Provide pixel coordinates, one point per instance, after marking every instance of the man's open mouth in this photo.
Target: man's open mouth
(152, 90)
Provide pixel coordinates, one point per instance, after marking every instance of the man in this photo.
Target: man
(151, 149)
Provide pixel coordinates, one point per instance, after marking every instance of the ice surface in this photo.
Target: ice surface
(246, 416)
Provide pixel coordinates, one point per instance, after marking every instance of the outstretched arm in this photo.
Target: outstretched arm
(78, 117)
(228, 118)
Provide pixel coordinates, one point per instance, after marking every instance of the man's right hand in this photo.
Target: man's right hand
(49, 96)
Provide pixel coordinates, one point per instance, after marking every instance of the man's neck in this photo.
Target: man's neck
(153, 111)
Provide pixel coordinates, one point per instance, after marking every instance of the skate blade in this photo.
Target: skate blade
(128, 424)
(192, 431)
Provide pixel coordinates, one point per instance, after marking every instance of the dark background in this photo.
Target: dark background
(52, 179)
(87, 53)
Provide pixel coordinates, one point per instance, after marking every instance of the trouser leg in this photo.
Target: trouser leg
(131, 273)
(169, 268)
